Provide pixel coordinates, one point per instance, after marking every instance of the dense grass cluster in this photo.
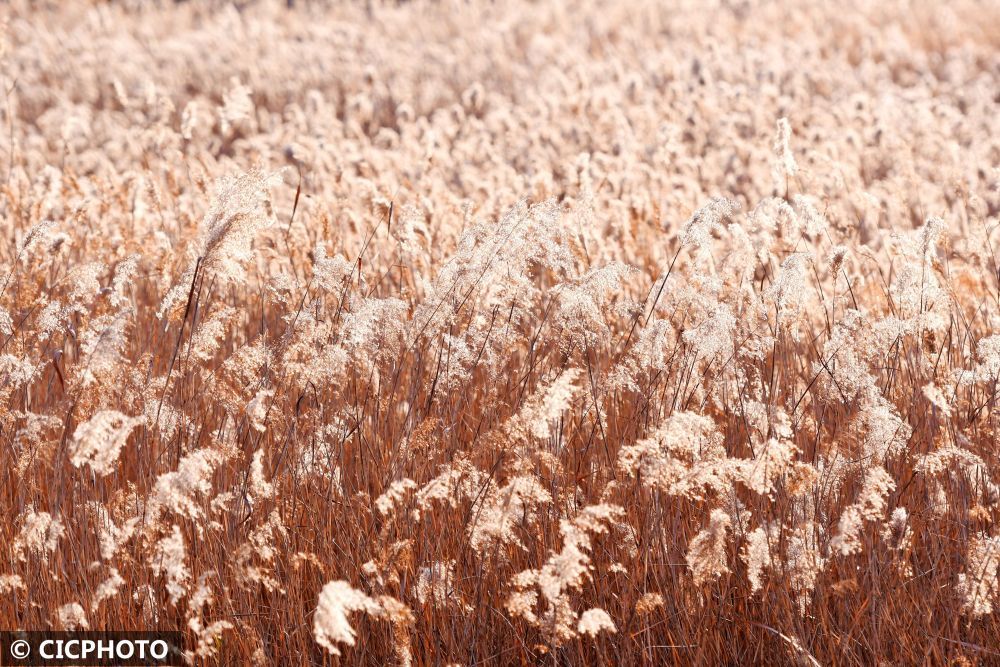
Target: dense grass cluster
(514, 333)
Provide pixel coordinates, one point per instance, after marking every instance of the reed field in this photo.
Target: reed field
(514, 333)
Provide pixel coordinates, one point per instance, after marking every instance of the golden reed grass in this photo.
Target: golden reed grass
(517, 333)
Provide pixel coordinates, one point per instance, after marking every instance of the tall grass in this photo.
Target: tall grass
(527, 334)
